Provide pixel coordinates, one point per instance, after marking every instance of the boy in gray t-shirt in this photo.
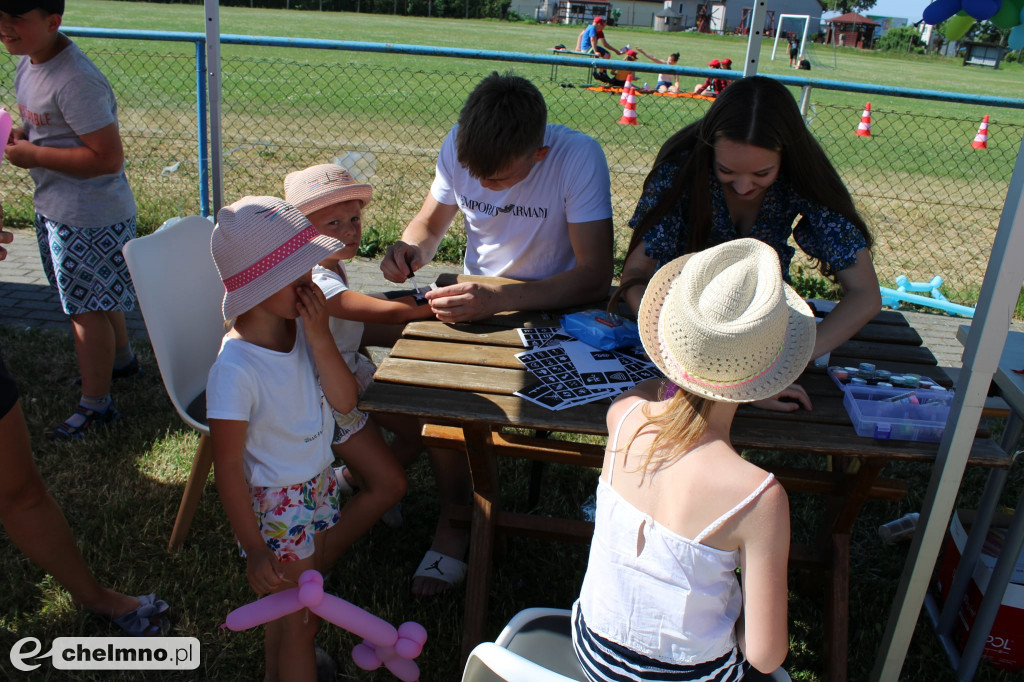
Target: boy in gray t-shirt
(85, 210)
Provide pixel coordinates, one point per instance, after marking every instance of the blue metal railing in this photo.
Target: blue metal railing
(491, 55)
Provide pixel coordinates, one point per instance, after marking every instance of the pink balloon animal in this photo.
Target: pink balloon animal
(382, 643)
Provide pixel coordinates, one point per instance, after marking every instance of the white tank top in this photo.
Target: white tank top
(677, 601)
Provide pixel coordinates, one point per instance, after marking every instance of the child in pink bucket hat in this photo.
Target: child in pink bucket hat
(333, 202)
(267, 411)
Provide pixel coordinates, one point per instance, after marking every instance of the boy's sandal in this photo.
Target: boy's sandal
(67, 432)
(149, 620)
(129, 371)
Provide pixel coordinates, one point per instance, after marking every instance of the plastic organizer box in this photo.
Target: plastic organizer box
(892, 413)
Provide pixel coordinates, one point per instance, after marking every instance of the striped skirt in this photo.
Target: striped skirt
(605, 661)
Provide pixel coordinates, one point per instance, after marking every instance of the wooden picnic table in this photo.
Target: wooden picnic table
(460, 380)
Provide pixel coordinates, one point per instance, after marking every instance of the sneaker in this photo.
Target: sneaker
(129, 371)
(67, 432)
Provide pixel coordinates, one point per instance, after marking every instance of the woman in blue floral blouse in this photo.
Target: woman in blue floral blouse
(750, 168)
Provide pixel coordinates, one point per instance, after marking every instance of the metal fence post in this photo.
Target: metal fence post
(204, 174)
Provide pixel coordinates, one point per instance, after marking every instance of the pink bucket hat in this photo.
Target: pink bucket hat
(261, 245)
(320, 186)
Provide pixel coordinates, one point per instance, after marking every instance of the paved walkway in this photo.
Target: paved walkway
(26, 298)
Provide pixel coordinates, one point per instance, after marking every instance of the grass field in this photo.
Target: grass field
(932, 201)
(933, 204)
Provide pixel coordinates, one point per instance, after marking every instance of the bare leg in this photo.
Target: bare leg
(120, 327)
(289, 641)
(407, 444)
(37, 527)
(94, 344)
(454, 488)
(382, 484)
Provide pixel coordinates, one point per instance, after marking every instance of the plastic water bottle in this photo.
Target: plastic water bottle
(900, 529)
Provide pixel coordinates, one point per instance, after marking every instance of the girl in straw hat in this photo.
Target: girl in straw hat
(678, 510)
(750, 168)
(265, 402)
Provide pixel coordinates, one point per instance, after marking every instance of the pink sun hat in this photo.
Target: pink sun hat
(322, 185)
(261, 245)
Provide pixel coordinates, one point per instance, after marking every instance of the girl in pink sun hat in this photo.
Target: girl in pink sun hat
(268, 400)
(678, 509)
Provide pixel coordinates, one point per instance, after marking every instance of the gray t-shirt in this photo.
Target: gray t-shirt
(59, 100)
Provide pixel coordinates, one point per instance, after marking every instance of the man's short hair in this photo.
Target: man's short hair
(503, 120)
(18, 7)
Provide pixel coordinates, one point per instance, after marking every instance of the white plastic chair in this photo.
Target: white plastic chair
(180, 295)
(535, 646)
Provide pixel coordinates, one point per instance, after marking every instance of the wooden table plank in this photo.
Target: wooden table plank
(873, 351)
(455, 377)
(466, 333)
(842, 441)
(440, 405)
(458, 353)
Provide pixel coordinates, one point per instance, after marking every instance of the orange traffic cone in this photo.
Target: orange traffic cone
(625, 89)
(864, 127)
(629, 111)
(981, 139)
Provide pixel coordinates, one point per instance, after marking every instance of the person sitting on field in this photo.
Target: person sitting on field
(710, 86)
(667, 82)
(619, 78)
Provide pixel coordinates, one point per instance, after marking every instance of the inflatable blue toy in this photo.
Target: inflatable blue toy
(910, 292)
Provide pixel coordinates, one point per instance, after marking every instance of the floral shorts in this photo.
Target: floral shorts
(345, 424)
(290, 516)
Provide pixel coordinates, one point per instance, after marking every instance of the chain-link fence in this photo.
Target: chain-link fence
(932, 201)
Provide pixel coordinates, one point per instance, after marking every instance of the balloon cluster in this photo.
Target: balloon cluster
(382, 643)
(963, 13)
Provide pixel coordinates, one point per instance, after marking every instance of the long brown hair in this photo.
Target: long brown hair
(678, 428)
(758, 111)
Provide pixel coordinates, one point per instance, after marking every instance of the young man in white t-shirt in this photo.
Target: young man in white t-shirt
(537, 205)
(536, 200)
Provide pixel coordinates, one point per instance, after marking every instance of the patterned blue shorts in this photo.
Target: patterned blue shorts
(85, 265)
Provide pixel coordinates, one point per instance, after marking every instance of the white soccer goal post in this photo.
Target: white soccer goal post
(803, 38)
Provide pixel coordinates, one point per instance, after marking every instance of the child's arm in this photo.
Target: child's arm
(101, 153)
(261, 565)
(763, 631)
(352, 305)
(336, 380)
(652, 58)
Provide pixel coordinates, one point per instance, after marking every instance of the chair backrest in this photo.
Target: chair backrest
(180, 295)
(535, 646)
(489, 662)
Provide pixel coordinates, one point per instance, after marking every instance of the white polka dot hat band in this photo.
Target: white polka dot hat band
(320, 186)
(723, 324)
(261, 245)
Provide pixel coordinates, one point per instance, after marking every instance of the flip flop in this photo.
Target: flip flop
(148, 620)
(441, 567)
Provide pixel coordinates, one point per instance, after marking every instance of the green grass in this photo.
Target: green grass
(932, 202)
(120, 489)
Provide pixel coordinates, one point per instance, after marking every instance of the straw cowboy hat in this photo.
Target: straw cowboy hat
(320, 186)
(261, 245)
(723, 324)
